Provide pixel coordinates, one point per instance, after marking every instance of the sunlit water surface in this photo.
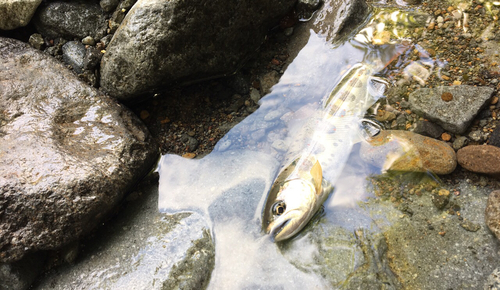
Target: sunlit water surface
(230, 185)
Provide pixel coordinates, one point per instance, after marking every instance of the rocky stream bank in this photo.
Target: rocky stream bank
(91, 92)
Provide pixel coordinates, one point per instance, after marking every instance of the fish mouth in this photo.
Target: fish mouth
(275, 228)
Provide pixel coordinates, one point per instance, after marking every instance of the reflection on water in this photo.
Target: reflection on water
(230, 185)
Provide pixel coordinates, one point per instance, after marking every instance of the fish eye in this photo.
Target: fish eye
(279, 208)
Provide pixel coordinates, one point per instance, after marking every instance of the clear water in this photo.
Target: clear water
(230, 185)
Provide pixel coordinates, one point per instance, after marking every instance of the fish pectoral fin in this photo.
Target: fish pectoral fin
(317, 176)
(377, 87)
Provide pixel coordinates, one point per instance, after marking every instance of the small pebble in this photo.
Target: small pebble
(189, 155)
(88, 40)
(447, 97)
(446, 137)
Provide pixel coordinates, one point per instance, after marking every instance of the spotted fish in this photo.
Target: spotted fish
(320, 154)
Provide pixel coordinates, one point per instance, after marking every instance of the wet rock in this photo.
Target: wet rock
(69, 153)
(460, 142)
(422, 258)
(88, 40)
(470, 226)
(109, 5)
(15, 13)
(177, 45)
(142, 249)
(74, 54)
(306, 8)
(428, 129)
(20, 274)
(385, 116)
(190, 142)
(36, 40)
(477, 136)
(480, 158)
(495, 137)
(267, 81)
(407, 151)
(328, 23)
(71, 19)
(492, 213)
(92, 58)
(440, 198)
(493, 281)
(456, 115)
(255, 95)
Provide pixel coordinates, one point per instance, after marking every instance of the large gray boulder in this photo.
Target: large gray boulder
(68, 153)
(16, 13)
(162, 42)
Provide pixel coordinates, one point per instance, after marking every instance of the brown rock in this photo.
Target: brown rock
(480, 158)
(447, 96)
(407, 151)
(492, 214)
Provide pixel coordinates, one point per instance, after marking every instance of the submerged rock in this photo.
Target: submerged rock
(16, 13)
(162, 42)
(480, 158)
(71, 19)
(493, 282)
(454, 115)
(20, 274)
(406, 151)
(142, 249)
(68, 153)
(492, 214)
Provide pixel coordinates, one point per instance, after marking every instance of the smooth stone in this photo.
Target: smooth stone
(407, 151)
(480, 158)
(74, 55)
(492, 213)
(68, 153)
(175, 44)
(460, 142)
(456, 115)
(17, 13)
(428, 129)
(71, 19)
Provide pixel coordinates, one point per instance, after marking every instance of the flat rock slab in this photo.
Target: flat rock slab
(16, 13)
(68, 153)
(480, 158)
(454, 115)
(407, 151)
(162, 42)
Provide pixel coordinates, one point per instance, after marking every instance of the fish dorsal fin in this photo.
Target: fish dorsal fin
(317, 176)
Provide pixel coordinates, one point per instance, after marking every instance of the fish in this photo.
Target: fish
(320, 153)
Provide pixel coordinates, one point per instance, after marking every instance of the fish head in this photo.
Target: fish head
(294, 206)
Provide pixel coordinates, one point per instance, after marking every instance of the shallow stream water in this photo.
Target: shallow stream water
(229, 186)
